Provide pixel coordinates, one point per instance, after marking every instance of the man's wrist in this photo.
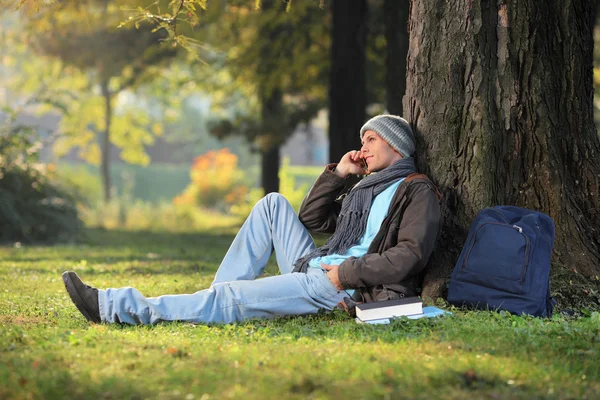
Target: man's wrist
(339, 173)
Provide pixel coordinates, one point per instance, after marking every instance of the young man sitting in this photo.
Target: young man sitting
(384, 231)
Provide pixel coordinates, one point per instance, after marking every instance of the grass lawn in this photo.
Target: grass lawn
(48, 350)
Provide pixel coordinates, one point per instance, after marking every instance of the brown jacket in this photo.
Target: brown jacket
(402, 247)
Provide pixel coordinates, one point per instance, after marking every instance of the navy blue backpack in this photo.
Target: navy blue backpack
(505, 263)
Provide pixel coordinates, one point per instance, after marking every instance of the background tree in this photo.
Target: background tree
(86, 35)
(386, 51)
(347, 77)
(274, 65)
(500, 95)
(395, 22)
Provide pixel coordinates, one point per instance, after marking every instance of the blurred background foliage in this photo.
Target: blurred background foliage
(32, 206)
(221, 90)
(216, 181)
(164, 114)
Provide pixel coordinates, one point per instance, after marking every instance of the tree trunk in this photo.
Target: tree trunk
(347, 83)
(105, 140)
(270, 170)
(273, 123)
(271, 97)
(500, 95)
(395, 14)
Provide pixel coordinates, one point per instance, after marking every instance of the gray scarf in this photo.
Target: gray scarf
(352, 221)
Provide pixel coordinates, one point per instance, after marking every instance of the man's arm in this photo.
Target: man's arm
(417, 235)
(319, 209)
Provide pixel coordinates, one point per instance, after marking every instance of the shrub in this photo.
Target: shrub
(32, 208)
(141, 215)
(216, 181)
(287, 187)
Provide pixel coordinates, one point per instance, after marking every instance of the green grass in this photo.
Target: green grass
(48, 350)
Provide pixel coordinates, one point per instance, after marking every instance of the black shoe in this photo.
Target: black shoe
(85, 297)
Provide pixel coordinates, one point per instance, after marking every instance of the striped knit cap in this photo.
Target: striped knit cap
(394, 130)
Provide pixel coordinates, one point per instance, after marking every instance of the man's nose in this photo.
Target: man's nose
(364, 148)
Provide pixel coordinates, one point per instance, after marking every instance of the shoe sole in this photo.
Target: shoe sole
(76, 298)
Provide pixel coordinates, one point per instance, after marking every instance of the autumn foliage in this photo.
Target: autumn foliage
(216, 181)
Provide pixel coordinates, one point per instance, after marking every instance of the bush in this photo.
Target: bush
(287, 187)
(32, 208)
(140, 215)
(216, 181)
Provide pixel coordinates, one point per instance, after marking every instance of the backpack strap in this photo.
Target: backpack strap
(416, 175)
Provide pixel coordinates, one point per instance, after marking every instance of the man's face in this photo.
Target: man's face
(377, 153)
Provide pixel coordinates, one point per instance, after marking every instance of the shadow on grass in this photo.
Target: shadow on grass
(114, 246)
(157, 268)
(115, 237)
(32, 378)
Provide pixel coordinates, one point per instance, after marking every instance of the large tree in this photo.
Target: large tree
(500, 96)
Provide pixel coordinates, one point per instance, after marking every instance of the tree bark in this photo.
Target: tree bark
(500, 95)
(347, 83)
(273, 126)
(270, 163)
(396, 35)
(273, 123)
(105, 140)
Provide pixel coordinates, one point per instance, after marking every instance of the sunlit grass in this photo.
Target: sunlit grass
(47, 349)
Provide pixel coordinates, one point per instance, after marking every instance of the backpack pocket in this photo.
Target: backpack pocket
(497, 257)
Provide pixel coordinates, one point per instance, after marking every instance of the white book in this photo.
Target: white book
(428, 312)
(389, 308)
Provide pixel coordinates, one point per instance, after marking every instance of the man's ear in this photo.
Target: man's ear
(400, 154)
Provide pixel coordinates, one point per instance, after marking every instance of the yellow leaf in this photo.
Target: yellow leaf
(157, 129)
(91, 154)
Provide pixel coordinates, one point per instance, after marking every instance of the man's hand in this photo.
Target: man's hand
(332, 274)
(351, 163)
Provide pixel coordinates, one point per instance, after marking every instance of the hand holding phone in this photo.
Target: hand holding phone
(352, 162)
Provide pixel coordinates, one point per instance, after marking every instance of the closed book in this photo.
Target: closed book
(428, 312)
(389, 308)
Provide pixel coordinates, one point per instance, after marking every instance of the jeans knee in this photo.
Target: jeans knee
(272, 200)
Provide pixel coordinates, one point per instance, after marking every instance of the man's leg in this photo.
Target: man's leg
(288, 294)
(272, 224)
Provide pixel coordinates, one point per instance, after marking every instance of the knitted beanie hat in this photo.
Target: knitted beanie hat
(394, 130)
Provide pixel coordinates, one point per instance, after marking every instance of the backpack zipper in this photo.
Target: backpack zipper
(515, 227)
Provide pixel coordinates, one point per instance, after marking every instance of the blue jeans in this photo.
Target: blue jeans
(236, 294)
